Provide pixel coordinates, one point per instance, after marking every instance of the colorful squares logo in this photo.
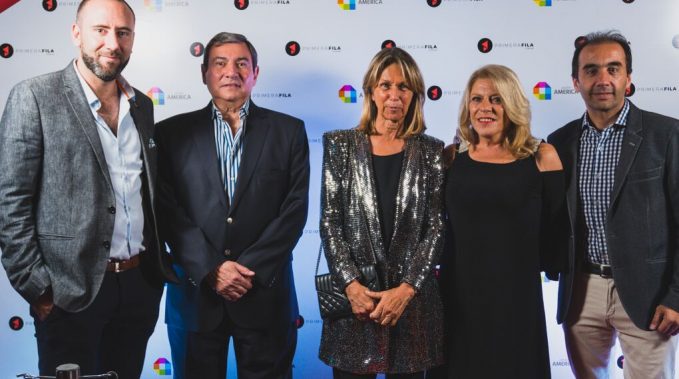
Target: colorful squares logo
(347, 94)
(543, 3)
(347, 5)
(154, 5)
(157, 96)
(542, 91)
(162, 366)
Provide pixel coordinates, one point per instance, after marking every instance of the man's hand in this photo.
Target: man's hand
(361, 304)
(231, 280)
(391, 304)
(665, 321)
(43, 306)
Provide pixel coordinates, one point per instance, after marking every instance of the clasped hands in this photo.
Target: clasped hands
(383, 307)
(231, 280)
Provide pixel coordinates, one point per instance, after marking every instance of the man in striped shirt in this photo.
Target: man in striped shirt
(622, 170)
(234, 180)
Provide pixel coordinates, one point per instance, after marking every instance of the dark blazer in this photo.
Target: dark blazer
(55, 191)
(259, 230)
(643, 216)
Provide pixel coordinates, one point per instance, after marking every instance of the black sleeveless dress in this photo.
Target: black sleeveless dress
(491, 267)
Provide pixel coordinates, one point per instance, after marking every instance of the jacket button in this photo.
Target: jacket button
(106, 244)
(227, 252)
(229, 220)
(112, 210)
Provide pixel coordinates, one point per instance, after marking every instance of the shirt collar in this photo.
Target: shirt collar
(621, 120)
(92, 98)
(242, 113)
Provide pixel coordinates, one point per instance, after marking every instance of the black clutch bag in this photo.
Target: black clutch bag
(332, 300)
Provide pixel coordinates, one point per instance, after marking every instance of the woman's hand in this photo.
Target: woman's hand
(391, 303)
(361, 304)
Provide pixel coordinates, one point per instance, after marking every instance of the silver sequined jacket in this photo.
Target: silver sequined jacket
(351, 235)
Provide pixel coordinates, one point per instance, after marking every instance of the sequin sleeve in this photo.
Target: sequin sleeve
(337, 252)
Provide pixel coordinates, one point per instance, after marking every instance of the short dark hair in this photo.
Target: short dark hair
(84, 2)
(224, 38)
(597, 38)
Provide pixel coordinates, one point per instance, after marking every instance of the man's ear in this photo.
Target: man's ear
(576, 84)
(75, 35)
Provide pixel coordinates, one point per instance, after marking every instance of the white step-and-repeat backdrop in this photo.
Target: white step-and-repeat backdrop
(310, 50)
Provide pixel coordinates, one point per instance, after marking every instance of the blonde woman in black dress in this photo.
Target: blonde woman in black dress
(503, 187)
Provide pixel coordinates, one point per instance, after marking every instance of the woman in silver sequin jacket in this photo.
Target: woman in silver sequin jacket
(380, 179)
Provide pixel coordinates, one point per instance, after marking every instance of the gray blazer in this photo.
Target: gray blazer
(55, 191)
(642, 219)
(352, 237)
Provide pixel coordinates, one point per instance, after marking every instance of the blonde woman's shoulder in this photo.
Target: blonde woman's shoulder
(547, 159)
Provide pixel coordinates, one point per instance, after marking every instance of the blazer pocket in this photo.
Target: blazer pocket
(645, 175)
(54, 236)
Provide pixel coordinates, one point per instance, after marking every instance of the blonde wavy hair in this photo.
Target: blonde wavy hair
(414, 120)
(517, 136)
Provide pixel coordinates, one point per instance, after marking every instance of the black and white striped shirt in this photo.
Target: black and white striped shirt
(598, 159)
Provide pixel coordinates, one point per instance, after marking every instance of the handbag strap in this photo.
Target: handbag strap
(318, 260)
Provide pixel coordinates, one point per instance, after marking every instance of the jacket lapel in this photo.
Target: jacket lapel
(257, 129)
(631, 141)
(368, 195)
(83, 114)
(572, 146)
(206, 150)
(144, 127)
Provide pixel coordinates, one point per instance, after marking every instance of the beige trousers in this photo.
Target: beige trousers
(595, 319)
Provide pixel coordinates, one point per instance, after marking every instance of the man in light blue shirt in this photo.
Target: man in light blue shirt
(77, 224)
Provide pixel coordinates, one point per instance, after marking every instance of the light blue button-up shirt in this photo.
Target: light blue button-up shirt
(123, 158)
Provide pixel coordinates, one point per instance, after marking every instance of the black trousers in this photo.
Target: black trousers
(260, 353)
(109, 335)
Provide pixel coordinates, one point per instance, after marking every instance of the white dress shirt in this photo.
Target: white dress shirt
(123, 158)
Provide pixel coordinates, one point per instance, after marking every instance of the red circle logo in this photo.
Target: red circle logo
(434, 93)
(6, 50)
(241, 4)
(485, 45)
(292, 48)
(16, 323)
(49, 5)
(197, 49)
(388, 44)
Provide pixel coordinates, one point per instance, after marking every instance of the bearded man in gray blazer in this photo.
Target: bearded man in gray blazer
(77, 223)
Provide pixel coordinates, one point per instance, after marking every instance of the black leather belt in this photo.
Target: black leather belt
(604, 271)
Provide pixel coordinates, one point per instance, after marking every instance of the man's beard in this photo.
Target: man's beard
(102, 73)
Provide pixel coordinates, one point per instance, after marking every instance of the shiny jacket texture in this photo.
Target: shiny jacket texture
(352, 237)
